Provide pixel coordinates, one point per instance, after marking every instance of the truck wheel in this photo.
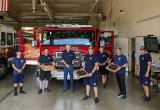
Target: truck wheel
(3, 70)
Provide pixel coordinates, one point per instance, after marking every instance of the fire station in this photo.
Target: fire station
(79, 54)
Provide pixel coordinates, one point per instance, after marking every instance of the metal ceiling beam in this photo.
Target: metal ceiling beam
(67, 5)
(32, 20)
(11, 16)
(44, 22)
(9, 22)
(56, 14)
(72, 14)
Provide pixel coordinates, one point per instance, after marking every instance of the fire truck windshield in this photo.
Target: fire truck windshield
(71, 37)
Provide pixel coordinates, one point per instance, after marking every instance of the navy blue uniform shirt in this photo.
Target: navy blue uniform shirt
(18, 62)
(144, 59)
(68, 57)
(102, 57)
(90, 61)
(120, 60)
(45, 59)
(103, 39)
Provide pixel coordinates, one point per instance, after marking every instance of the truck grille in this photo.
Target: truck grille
(58, 59)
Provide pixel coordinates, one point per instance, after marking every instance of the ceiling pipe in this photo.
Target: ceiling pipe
(34, 6)
(46, 9)
(93, 6)
(56, 14)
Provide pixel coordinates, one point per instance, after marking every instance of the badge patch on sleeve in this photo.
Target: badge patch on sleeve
(21, 61)
(146, 82)
(90, 58)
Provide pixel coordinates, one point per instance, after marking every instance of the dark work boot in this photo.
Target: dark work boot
(21, 90)
(40, 91)
(47, 90)
(15, 91)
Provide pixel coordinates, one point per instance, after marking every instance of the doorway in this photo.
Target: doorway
(133, 58)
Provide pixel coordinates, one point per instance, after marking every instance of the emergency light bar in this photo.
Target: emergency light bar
(68, 26)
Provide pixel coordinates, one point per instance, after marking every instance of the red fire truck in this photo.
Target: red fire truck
(55, 37)
(6, 48)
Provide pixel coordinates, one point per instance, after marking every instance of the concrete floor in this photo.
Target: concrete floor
(56, 100)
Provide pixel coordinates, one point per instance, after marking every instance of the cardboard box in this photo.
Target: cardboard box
(49, 67)
(81, 74)
(31, 52)
(111, 67)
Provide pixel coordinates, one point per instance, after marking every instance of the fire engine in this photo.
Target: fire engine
(55, 37)
(6, 48)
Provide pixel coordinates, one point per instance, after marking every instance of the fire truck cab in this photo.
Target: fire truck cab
(55, 37)
(6, 48)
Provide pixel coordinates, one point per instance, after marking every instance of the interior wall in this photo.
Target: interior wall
(139, 18)
(93, 21)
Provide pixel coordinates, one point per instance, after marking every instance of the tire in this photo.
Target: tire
(3, 71)
(3, 67)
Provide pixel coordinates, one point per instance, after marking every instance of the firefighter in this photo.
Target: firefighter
(90, 66)
(103, 58)
(44, 59)
(145, 71)
(18, 64)
(68, 58)
(103, 40)
(121, 61)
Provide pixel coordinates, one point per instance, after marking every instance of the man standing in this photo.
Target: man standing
(90, 66)
(68, 58)
(103, 58)
(18, 64)
(44, 75)
(121, 61)
(145, 69)
(103, 40)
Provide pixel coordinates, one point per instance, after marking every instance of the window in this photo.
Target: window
(27, 37)
(3, 40)
(109, 39)
(107, 36)
(9, 39)
(72, 37)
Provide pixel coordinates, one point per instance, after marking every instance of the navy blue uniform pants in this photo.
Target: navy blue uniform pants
(70, 71)
(121, 83)
(18, 78)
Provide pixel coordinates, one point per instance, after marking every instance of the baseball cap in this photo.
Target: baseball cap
(118, 48)
(90, 47)
(142, 48)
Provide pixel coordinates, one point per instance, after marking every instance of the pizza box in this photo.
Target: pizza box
(49, 67)
(111, 67)
(81, 74)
